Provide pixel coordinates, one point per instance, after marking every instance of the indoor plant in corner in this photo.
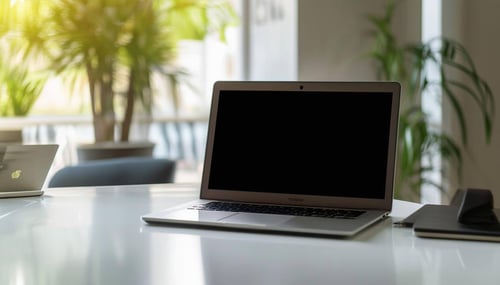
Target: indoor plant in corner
(418, 139)
(119, 45)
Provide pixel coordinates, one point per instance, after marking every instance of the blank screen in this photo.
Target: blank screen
(313, 143)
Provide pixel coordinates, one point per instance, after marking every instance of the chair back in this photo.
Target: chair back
(116, 171)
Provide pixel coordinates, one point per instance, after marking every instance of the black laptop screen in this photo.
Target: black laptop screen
(298, 142)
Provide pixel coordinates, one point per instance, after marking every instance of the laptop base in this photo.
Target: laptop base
(17, 194)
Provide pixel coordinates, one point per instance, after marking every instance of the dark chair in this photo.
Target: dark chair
(116, 171)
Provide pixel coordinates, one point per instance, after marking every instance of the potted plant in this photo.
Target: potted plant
(119, 45)
(418, 140)
(20, 85)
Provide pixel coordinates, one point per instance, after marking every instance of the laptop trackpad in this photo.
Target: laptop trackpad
(256, 219)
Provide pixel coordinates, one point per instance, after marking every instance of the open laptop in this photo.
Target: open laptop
(300, 151)
(24, 168)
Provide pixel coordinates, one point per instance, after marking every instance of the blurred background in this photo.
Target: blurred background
(64, 62)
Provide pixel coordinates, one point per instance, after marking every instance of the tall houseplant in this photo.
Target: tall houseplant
(419, 140)
(119, 45)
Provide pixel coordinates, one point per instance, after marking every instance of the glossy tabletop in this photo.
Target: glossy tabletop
(90, 235)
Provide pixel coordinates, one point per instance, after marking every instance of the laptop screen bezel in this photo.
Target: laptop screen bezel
(384, 203)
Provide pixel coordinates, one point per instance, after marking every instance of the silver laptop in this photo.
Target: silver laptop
(24, 168)
(296, 157)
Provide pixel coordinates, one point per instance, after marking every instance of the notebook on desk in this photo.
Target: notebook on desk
(440, 221)
(24, 168)
(289, 156)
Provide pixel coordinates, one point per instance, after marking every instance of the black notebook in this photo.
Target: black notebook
(440, 221)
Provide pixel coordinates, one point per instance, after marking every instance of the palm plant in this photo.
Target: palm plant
(20, 83)
(118, 45)
(19, 89)
(419, 139)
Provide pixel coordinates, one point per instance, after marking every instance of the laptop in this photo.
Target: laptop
(296, 157)
(24, 168)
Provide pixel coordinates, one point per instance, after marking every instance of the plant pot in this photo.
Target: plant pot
(106, 150)
(11, 136)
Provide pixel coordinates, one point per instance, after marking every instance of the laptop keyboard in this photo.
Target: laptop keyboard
(280, 210)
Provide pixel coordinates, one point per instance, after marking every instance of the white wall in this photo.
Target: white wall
(333, 36)
(272, 40)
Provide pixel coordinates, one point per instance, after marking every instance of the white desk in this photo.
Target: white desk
(95, 236)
